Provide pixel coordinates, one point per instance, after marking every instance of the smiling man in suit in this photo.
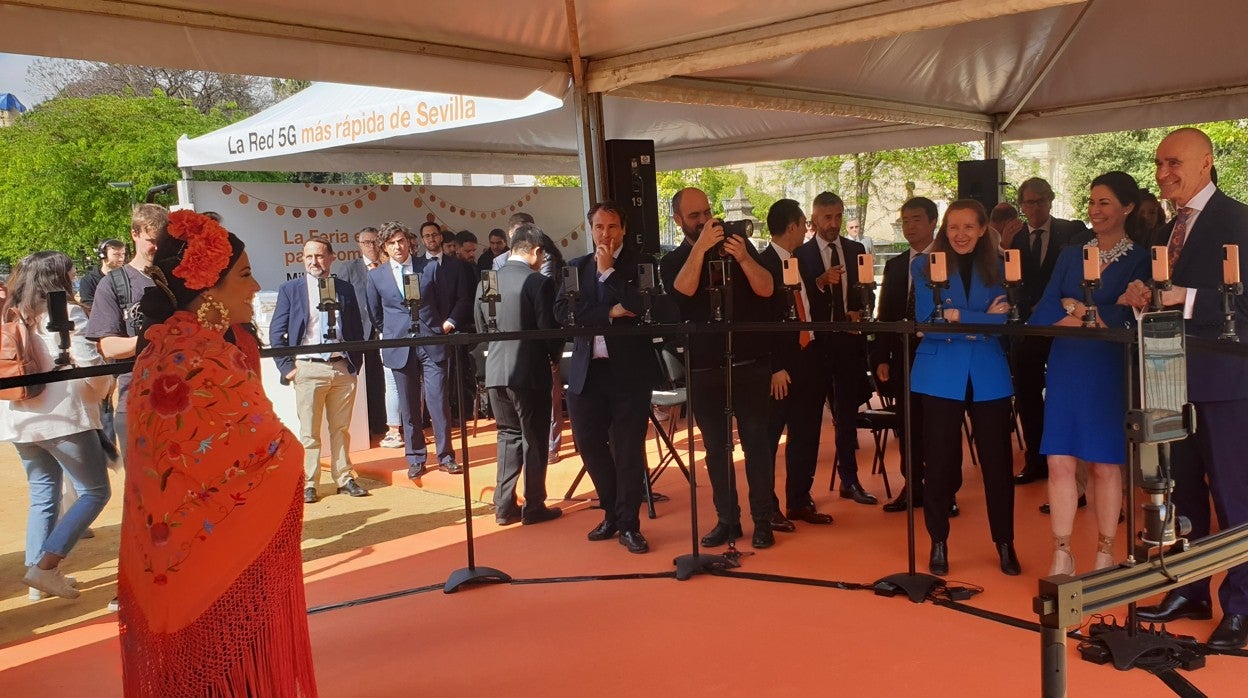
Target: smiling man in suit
(518, 375)
(1210, 462)
(611, 378)
(325, 382)
(1040, 241)
(824, 263)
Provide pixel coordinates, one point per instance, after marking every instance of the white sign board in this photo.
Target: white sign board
(274, 220)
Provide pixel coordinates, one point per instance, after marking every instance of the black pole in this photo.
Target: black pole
(470, 574)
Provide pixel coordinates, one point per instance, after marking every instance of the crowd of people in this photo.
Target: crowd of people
(205, 582)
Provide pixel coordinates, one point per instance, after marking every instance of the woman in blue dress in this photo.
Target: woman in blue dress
(1085, 399)
(956, 373)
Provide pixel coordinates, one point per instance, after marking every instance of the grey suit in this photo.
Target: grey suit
(517, 372)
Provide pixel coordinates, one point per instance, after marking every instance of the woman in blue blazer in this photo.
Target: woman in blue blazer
(958, 372)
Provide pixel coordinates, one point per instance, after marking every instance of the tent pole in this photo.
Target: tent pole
(184, 188)
(590, 148)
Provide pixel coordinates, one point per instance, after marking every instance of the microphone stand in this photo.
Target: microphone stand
(938, 309)
(1229, 291)
(1012, 289)
(329, 306)
(471, 574)
(59, 322)
(412, 301)
(1089, 315)
(868, 299)
(721, 297)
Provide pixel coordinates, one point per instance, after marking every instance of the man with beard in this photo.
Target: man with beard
(747, 297)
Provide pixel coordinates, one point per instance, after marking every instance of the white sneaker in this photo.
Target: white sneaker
(50, 582)
(114, 605)
(34, 594)
(391, 441)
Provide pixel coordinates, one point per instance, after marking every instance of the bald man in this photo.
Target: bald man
(1211, 460)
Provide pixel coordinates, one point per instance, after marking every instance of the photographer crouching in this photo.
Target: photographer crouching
(716, 277)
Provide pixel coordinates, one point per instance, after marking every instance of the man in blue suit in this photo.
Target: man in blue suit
(447, 293)
(324, 382)
(386, 306)
(1210, 462)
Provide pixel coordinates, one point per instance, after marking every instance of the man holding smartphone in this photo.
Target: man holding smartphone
(742, 294)
(611, 378)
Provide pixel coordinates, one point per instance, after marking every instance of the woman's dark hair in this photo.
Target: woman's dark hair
(1127, 191)
(32, 279)
(987, 261)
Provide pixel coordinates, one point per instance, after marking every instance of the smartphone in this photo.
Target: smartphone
(411, 287)
(791, 275)
(571, 280)
(645, 277)
(489, 283)
(718, 269)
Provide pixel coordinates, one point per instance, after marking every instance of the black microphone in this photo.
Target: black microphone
(59, 322)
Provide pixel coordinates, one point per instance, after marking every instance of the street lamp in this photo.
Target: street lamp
(125, 185)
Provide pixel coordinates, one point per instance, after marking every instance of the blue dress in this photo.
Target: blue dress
(1085, 402)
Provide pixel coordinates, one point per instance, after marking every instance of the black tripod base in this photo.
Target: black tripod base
(915, 586)
(474, 575)
(689, 565)
(1112, 643)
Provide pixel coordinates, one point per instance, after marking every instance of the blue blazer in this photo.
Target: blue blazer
(290, 321)
(390, 317)
(447, 293)
(945, 363)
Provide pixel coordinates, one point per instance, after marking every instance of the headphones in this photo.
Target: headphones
(101, 250)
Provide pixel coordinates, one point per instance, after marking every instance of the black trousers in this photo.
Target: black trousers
(522, 418)
(802, 414)
(942, 447)
(1030, 355)
(845, 384)
(609, 423)
(751, 384)
(916, 439)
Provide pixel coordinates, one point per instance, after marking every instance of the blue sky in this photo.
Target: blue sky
(13, 78)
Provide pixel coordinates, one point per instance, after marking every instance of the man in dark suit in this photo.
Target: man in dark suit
(386, 306)
(796, 374)
(497, 245)
(1040, 241)
(324, 383)
(517, 373)
(356, 272)
(446, 303)
(686, 274)
(919, 219)
(1211, 460)
(611, 378)
(824, 263)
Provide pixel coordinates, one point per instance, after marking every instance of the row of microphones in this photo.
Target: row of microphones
(59, 322)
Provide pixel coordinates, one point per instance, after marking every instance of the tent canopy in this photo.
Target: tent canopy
(711, 83)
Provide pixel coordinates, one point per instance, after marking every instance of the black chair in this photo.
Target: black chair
(481, 396)
(879, 421)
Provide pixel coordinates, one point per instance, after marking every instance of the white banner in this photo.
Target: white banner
(274, 220)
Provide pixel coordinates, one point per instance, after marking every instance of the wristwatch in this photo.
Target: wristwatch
(1070, 308)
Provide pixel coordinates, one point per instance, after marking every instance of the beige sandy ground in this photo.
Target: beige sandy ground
(335, 524)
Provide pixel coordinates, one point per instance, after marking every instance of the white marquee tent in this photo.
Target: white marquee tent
(711, 83)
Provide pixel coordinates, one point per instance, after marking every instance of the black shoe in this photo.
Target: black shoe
(634, 541)
(779, 523)
(541, 516)
(1009, 561)
(451, 467)
(1173, 607)
(353, 489)
(309, 495)
(415, 471)
(856, 493)
(807, 514)
(763, 537)
(1083, 502)
(938, 563)
(899, 504)
(1231, 633)
(720, 535)
(1030, 475)
(603, 531)
(508, 519)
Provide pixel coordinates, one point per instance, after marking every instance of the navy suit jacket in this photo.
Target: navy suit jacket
(634, 362)
(1062, 233)
(391, 318)
(811, 263)
(290, 321)
(1213, 376)
(446, 293)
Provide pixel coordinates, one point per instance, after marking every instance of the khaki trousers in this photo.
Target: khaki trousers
(324, 391)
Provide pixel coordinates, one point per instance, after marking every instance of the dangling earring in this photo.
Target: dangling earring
(211, 306)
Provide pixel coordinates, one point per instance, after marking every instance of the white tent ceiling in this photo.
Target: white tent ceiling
(712, 82)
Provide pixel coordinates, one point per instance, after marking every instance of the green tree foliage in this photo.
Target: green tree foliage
(59, 158)
(557, 181)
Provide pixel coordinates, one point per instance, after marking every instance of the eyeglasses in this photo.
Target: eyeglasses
(370, 243)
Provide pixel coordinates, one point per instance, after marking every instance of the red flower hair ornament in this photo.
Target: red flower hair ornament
(207, 252)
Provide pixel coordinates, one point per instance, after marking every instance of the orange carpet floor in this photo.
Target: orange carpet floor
(555, 631)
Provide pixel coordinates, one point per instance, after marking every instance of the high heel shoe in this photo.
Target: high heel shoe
(1063, 559)
(1104, 552)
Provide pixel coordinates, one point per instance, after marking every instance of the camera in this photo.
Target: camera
(741, 229)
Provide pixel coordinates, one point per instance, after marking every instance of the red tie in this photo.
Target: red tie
(1178, 236)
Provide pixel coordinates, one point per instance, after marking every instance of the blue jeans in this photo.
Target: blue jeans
(392, 400)
(82, 458)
